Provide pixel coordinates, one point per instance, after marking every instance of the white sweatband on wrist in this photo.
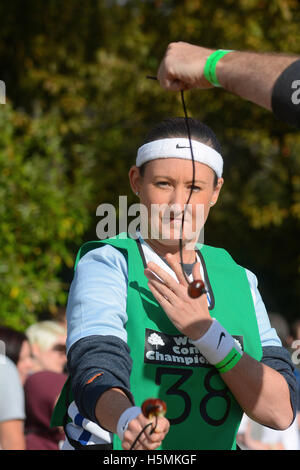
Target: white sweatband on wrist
(125, 418)
(178, 147)
(219, 347)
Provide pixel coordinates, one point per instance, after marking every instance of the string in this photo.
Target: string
(193, 183)
(193, 179)
(142, 431)
(182, 224)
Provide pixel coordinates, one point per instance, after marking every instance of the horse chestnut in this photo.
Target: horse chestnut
(154, 407)
(196, 289)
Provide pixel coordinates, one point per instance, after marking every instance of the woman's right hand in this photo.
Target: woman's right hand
(146, 441)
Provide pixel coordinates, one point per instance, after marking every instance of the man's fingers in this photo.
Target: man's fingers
(173, 84)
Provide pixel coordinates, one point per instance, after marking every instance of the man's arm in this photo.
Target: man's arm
(250, 75)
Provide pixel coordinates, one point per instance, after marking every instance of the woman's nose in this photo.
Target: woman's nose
(177, 201)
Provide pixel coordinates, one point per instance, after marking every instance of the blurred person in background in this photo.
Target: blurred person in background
(41, 392)
(17, 348)
(252, 435)
(15, 366)
(48, 344)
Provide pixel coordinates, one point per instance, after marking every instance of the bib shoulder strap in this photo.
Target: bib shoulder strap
(216, 256)
(122, 241)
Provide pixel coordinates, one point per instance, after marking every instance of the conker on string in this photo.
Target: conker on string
(196, 289)
(154, 407)
(151, 408)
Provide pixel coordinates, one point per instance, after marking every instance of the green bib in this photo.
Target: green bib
(202, 411)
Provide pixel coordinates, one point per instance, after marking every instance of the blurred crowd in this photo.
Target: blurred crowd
(253, 436)
(33, 371)
(32, 374)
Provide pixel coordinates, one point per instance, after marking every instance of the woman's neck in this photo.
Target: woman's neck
(188, 256)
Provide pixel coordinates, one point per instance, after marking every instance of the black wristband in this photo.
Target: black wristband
(286, 95)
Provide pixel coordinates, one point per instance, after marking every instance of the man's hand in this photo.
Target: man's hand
(146, 441)
(182, 67)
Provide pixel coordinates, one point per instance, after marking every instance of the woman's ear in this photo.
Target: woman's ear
(216, 191)
(134, 179)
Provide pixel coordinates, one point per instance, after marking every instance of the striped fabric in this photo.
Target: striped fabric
(84, 431)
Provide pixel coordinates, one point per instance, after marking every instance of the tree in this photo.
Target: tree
(79, 106)
(40, 215)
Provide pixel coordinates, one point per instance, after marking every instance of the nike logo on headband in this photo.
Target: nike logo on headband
(181, 147)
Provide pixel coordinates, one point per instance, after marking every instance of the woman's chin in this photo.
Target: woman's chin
(170, 235)
(173, 239)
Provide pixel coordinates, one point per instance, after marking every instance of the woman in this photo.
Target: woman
(134, 332)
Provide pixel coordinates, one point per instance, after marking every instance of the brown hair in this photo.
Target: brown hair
(13, 341)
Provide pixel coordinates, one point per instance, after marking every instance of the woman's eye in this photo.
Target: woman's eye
(164, 184)
(195, 188)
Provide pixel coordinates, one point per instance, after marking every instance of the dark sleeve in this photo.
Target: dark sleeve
(286, 95)
(279, 358)
(97, 363)
(297, 373)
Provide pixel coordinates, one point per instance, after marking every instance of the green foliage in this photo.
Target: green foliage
(41, 213)
(78, 107)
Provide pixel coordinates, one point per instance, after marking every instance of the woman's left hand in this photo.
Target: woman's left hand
(190, 316)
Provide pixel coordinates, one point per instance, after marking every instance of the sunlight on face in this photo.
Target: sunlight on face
(164, 190)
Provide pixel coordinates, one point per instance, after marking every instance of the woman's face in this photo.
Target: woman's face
(25, 363)
(164, 190)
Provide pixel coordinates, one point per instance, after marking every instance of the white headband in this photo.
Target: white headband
(180, 148)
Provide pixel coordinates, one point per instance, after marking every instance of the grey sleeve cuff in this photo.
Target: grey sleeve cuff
(97, 363)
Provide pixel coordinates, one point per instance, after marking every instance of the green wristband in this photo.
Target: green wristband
(211, 65)
(229, 361)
